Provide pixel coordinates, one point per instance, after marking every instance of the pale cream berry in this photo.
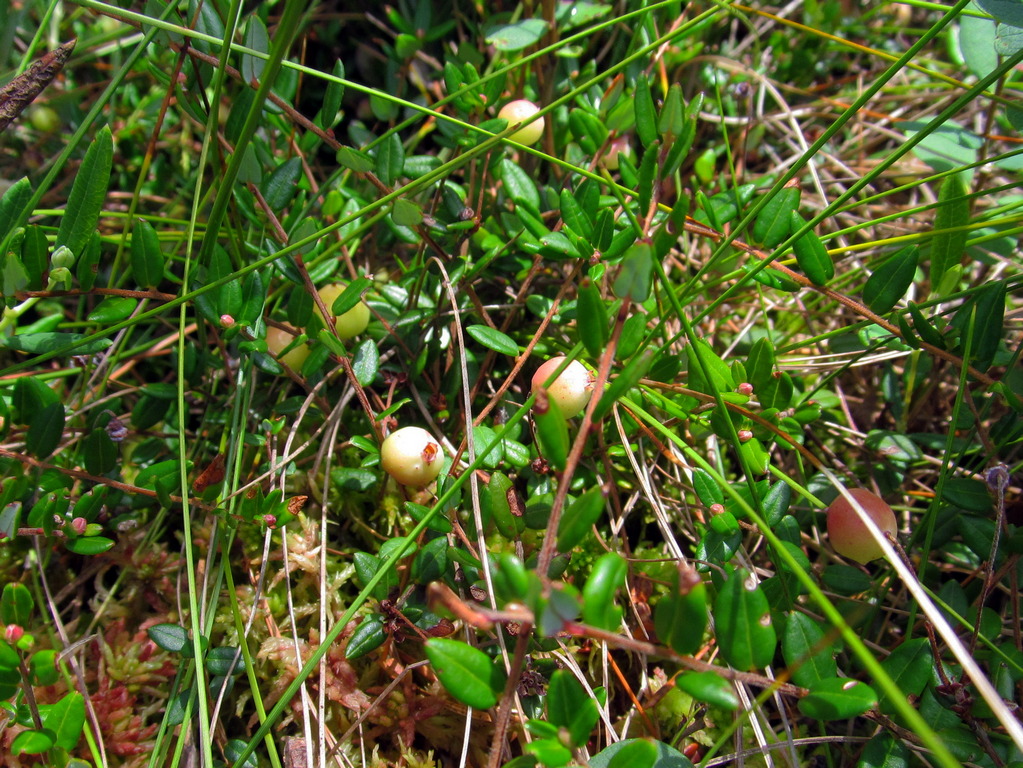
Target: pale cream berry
(571, 390)
(351, 323)
(278, 339)
(516, 112)
(412, 456)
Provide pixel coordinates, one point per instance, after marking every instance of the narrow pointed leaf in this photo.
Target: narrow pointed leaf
(953, 212)
(811, 255)
(491, 338)
(87, 194)
(888, 283)
(774, 221)
(646, 115)
(45, 430)
(579, 518)
(147, 259)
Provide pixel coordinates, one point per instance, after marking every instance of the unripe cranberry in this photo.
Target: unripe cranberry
(351, 323)
(412, 457)
(517, 111)
(571, 390)
(849, 535)
(617, 147)
(278, 339)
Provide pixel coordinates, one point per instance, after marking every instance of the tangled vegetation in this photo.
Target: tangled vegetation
(771, 253)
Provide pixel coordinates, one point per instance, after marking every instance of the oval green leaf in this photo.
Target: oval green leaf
(466, 673)
(889, 282)
(491, 338)
(88, 192)
(837, 698)
(709, 687)
(744, 629)
(579, 518)
(806, 651)
(811, 255)
(607, 576)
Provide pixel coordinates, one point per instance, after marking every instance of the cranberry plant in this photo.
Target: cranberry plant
(444, 383)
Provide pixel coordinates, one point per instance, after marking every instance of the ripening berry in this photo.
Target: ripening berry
(517, 111)
(571, 390)
(278, 339)
(351, 323)
(412, 457)
(849, 536)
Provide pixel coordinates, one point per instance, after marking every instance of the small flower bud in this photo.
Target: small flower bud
(745, 388)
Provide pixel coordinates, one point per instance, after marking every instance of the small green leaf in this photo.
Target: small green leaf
(648, 174)
(516, 36)
(31, 742)
(680, 617)
(16, 605)
(87, 267)
(592, 318)
(910, 666)
(65, 720)
(646, 114)
(354, 160)
(622, 753)
(147, 259)
(806, 652)
(34, 250)
(112, 309)
(634, 370)
(367, 637)
(406, 213)
(884, 751)
(431, 561)
(332, 97)
(922, 325)
(837, 698)
(580, 517)
(636, 273)
(967, 493)
(280, 186)
(889, 282)
(466, 673)
(350, 296)
(606, 577)
(88, 192)
(366, 362)
(257, 39)
(52, 341)
(13, 201)
(45, 431)
(570, 707)
(987, 323)
(491, 338)
(44, 668)
(169, 637)
(709, 687)
(519, 186)
(953, 213)
(390, 159)
(774, 222)
(89, 546)
(743, 628)
(811, 255)
(552, 434)
(670, 122)
(498, 489)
